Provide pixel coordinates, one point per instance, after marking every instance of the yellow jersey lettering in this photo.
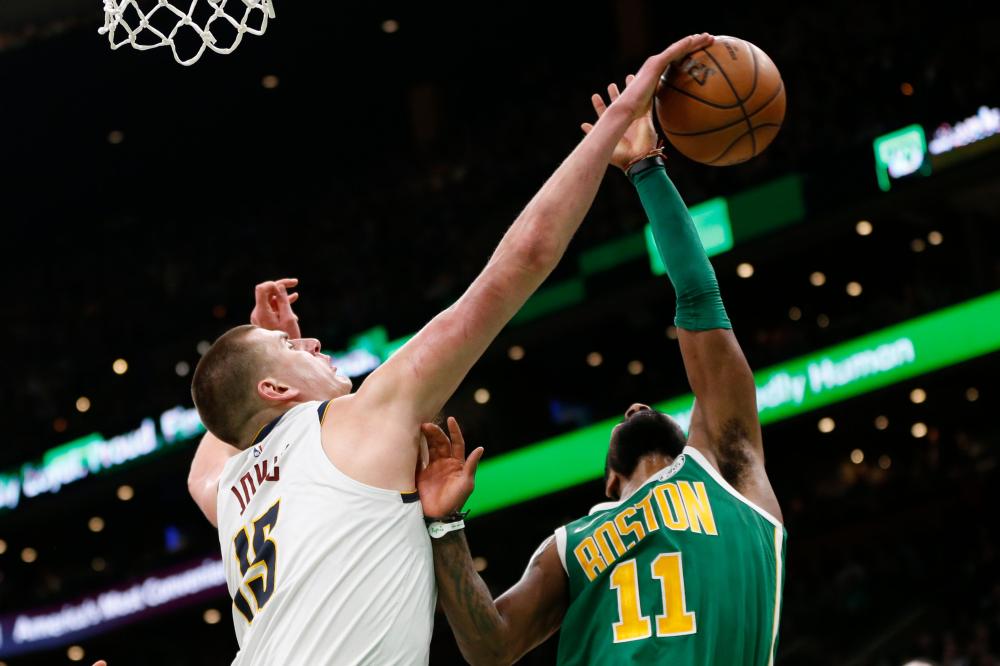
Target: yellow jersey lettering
(589, 557)
(699, 510)
(647, 512)
(674, 517)
(625, 528)
(607, 538)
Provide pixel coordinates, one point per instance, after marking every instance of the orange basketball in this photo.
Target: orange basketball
(721, 105)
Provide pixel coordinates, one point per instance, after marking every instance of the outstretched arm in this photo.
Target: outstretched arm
(426, 371)
(487, 631)
(726, 406)
(724, 423)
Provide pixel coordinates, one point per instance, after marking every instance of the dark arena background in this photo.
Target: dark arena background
(377, 152)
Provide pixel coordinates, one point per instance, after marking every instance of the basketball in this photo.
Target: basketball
(721, 105)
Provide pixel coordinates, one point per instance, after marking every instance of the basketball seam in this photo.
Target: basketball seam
(703, 101)
(753, 141)
(760, 108)
(736, 140)
(753, 56)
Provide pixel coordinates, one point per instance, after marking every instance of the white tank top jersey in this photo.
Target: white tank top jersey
(322, 569)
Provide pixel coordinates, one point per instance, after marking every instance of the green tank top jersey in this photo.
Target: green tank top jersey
(685, 572)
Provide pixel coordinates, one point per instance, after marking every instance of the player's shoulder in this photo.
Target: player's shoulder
(738, 496)
(275, 433)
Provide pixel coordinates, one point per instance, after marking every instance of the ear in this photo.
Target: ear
(271, 390)
(613, 486)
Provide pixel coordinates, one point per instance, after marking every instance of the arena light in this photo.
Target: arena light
(789, 389)
(947, 137)
(864, 364)
(899, 154)
(93, 453)
(366, 351)
(42, 629)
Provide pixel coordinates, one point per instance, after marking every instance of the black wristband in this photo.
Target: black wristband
(645, 164)
(450, 518)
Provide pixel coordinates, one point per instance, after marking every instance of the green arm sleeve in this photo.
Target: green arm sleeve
(699, 304)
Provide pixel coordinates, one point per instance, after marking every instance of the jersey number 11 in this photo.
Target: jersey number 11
(633, 625)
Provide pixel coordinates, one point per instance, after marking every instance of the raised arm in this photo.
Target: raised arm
(428, 369)
(487, 631)
(726, 406)
(724, 423)
(273, 311)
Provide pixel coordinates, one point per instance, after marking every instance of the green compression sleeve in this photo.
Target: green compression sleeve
(699, 303)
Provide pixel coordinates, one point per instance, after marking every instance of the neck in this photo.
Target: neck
(647, 467)
(260, 421)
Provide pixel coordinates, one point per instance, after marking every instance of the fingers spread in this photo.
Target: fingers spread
(267, 290)
(613, 91)
(438, 445)
(586, 127)
(457, 439)
(599, 106)
(472, 464)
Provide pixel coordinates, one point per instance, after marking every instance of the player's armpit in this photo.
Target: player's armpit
(723, 387)
(206, 469)
(499, 632)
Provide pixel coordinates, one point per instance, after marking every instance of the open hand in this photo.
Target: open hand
(273, 307)
(637, 98)
(449, 477)
(640, 137)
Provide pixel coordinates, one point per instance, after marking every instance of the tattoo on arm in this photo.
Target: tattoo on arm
(478, 626)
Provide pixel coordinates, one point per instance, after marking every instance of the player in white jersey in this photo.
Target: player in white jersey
(327, 556)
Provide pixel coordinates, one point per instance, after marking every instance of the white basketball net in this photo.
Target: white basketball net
(119, 32)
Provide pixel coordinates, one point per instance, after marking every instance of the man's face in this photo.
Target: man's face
(300, 365)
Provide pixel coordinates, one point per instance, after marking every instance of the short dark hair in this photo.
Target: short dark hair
(643, 433)
(224, 385)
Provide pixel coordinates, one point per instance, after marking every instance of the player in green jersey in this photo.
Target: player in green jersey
(685, 565)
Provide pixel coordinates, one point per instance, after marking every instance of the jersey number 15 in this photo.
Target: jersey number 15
(259, 573)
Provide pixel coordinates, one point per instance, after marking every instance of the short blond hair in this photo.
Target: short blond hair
(224, 387)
